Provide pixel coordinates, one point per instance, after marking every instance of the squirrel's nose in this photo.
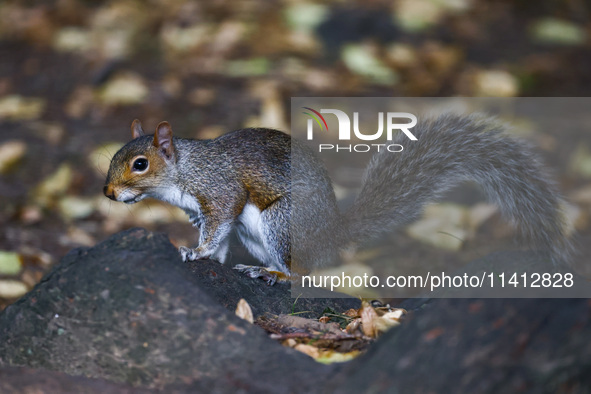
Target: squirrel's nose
(109, 192)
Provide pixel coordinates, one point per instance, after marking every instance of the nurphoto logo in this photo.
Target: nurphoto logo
(392, 120)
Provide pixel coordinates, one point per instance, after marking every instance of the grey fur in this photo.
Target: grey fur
(452, 149)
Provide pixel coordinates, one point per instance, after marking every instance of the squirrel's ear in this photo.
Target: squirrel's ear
(163, 139)
(136, 129)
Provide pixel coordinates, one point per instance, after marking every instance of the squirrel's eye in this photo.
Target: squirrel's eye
(140, 164)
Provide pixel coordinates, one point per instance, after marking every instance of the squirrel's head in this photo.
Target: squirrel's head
(141, 167)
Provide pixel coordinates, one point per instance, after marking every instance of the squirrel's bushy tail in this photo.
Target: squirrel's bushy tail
(452, 149)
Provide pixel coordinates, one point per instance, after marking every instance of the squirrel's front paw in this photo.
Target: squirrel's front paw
(189, 254)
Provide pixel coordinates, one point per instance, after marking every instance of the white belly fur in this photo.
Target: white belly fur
(250, 231)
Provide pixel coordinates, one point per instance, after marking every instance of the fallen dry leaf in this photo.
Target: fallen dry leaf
(17, 107)
(244, 311)
(376, 321)
(353, 327)
(124, 89)
(324, 319)
(331, 356)
(10, 288)
(10, 153)
(54, 185)
(10, 263)
(308, 324)
(389, 320)
(310, 350)
(368, 320)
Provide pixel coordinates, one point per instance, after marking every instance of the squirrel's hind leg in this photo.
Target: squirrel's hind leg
(266, 235)
(255, 271)
(275, 228)
(221, 252)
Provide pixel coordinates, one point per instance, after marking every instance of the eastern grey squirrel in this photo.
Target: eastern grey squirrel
(245, 180)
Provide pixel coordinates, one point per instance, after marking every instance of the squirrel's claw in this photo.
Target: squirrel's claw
(253, 271)
(188, 254)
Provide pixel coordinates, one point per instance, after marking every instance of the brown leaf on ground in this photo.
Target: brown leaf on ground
(244, 311)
